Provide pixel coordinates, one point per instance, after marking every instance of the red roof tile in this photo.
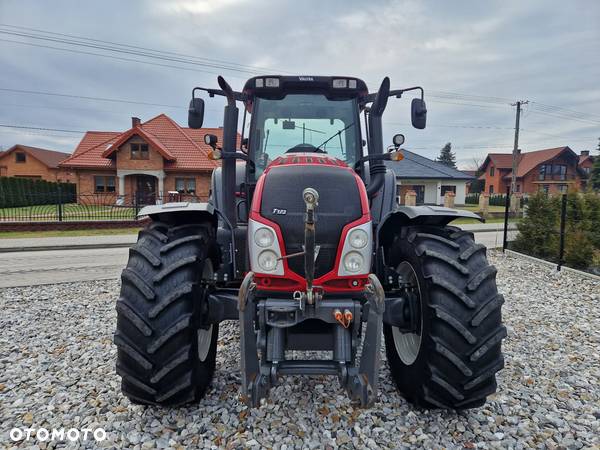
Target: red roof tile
(49, 158)
(183, 148)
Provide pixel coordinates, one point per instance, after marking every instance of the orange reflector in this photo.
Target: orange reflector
(214, 155)
(337, 314)
(396, 156)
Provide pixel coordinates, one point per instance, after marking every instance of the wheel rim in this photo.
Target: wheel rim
(205, 335)
(408, 344)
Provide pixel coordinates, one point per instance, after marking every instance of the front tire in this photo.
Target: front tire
(166, 355)
(452, 359)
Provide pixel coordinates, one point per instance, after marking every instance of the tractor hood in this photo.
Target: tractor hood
(279, 200)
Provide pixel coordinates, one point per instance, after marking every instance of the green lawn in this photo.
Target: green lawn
(475, 208)
(490, 220)
(67, 233)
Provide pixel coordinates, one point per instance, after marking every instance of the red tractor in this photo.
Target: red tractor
(303, 242)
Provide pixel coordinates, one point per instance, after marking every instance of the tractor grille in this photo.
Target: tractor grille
(339, 204)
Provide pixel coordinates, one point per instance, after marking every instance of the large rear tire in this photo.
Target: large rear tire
(166, 355)
(452, 360)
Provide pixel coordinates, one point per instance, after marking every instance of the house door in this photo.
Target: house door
(146, 189)
(420, 190)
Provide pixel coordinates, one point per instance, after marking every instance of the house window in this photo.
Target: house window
(545, 188)
(491, 189)
(560, 171)
(492, 171)
(544, 169)
(448, 189)
(586, 170)
(185, 185)
(563, 188)
(104, 184)
(518, 188)
(139, 151)
(20, 157)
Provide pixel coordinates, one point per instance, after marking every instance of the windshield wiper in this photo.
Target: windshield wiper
(339, 133)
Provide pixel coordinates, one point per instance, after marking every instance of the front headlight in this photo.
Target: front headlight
(353, 262)
(358, 238)
(267, 260)
(264, 237)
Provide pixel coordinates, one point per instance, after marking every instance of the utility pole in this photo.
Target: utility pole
(515, 154)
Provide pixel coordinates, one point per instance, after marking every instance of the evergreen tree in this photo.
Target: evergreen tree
(447, 157)
(538, 234)
(594, 181)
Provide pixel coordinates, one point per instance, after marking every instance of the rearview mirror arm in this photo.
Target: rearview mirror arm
(395, 93)
(241, 156)
(238, 96)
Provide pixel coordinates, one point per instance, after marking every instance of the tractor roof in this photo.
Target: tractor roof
(278, 86)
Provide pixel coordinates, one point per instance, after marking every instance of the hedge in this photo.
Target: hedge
(15, 192)
(495, 199)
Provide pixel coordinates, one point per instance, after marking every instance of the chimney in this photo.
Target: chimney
(585, 153)
(135, 122)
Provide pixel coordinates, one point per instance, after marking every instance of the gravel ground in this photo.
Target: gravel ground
(57, 361)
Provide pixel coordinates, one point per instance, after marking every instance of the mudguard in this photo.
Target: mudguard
(418, 215)
(169, 210)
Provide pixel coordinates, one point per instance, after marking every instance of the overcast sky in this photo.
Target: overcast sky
(473, 58)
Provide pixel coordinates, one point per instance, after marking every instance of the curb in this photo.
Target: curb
(553, 265)
(64, 247)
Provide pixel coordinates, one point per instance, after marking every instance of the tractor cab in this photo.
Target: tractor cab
(318, 115)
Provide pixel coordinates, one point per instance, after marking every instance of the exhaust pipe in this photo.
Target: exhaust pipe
(377, 168)
(230, 123)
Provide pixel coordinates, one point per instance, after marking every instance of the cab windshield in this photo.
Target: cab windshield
(301, 122)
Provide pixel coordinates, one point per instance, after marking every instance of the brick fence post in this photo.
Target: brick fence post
(410, 199)
(449, 199)
(484, 203)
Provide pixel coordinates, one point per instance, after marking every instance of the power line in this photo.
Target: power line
(118, 58)
(488, 127)
(566, 117)
(124, 50)
(255, 68)
(562, 110)
(41, 128)
(84, 97)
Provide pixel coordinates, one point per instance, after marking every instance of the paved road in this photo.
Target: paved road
(57, 266)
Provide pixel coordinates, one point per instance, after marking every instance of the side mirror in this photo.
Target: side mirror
(210, 139)
(196, 113)
(418, 113)
(398, 140)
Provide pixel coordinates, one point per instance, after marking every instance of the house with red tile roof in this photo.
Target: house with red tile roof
(146, 161)
(552, 170)
(24, 161)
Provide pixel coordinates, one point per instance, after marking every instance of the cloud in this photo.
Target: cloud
(545, 51)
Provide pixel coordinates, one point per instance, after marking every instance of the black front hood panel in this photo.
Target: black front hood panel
(339, 204)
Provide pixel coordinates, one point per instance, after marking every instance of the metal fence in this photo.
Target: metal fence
(61, 207)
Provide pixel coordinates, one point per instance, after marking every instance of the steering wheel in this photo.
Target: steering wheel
(305, 148)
